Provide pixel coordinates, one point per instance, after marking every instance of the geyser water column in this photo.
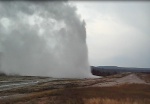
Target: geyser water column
(42, 39)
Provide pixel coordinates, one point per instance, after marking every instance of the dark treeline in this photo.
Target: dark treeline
(111, 70)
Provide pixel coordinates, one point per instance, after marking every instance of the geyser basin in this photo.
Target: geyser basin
(42, 39)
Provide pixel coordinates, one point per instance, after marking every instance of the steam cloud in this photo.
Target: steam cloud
(42, 39)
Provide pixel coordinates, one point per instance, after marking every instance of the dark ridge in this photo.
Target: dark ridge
(111, 70)
(2, 74)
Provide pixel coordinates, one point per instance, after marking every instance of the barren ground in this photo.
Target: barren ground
(129, 88)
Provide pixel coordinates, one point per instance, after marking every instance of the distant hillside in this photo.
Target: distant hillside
(2, 74)
(110, 70)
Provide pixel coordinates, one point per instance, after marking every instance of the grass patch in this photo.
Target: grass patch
(115, 101)
(123, 94)
(30, 97)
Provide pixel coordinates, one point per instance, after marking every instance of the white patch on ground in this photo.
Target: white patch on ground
(132, 78)
(129, 79)
(7, 85)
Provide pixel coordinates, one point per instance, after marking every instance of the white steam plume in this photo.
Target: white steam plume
(42, 39)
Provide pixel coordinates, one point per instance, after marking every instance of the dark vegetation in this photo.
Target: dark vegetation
(2, 74)
(111, 70)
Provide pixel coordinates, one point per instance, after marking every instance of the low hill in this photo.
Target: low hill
(111, 70)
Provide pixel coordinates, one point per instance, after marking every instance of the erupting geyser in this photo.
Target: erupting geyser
(42, 39)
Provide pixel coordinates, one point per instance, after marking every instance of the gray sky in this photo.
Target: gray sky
(118, 33)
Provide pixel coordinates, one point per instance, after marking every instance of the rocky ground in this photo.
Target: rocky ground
(45, 90)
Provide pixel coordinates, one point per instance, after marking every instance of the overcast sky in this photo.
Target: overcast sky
(118, 33)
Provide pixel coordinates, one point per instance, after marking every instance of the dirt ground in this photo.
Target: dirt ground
(45, 90)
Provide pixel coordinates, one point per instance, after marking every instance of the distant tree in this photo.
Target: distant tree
(0, 60)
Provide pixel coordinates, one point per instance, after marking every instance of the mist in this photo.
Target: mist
(42, 39)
